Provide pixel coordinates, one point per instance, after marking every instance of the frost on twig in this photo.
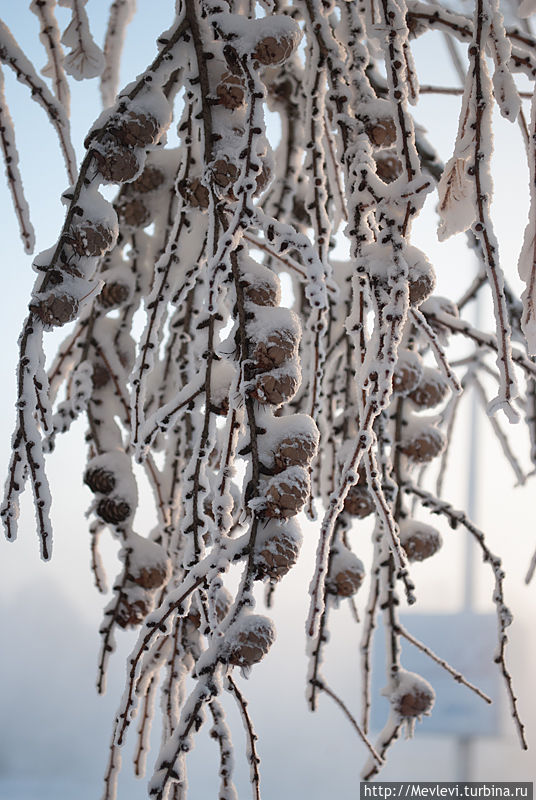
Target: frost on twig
(121, 13)
(50, 38)
(85, 59)
(11, 162)
(12, 56)
(504, 615)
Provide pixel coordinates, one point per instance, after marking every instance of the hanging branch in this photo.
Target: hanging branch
(488, 340)
(251, 736)
(442, 663)
(483, 99)
(50, 39)
(351, 719)
(12, 55)
(501, 436)
(121, 14)
(504, 616)
(85, 59)
(14, 180)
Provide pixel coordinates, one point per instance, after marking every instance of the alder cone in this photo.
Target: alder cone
(286, 494)
(420, 541)
(421, 286)
(137, 129)
(382, 132)
(91, 239)
(224, 173)
(100, 480)
(275, 388)
(273, 52)
(250, 643)
(294, 451)
(415, 703)
(432, 389)
(56, 309)
(408, 373)
(117, 164)
(113, 510)
(388, 167)
(113, 294)
(149, 180)
(423, 445)
(347, 582)
(130, 614)
(346, 574)
(279, 347)
(230, 91)
(277, 554)
(133, 212)
(358, 502)
(194, 193)
(414, 699)
(151, 578)
(262, 293)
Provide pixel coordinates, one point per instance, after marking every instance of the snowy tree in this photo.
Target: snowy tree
(293, 355)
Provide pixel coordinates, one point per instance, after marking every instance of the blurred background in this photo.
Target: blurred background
(56, 730)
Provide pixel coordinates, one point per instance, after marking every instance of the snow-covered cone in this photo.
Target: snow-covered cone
(284, 495)
(145, 121)
(260, 284)
(148, 564)
(134, 605)
(410, 697)
(346, 573)
(248, 640)
(421, 274)
(230, 91)
(116, 163)
(422, 442)
(92, 239)
(114, 510)
(380, 127)
(114, 293)
(388, 166)
(408, 372)
(288, 442)
(194, 193)
(277, 386)
(420, 541)
(55, 309)
(150, 179)
(431, 390)
(359, 501)
(99, 479)
(112, 472)
(276, 549)
(275, 335)
(133, 212)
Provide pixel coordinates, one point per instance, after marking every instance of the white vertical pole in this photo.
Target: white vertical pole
(464, 743)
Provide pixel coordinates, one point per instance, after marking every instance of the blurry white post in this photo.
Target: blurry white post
(464, 747)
